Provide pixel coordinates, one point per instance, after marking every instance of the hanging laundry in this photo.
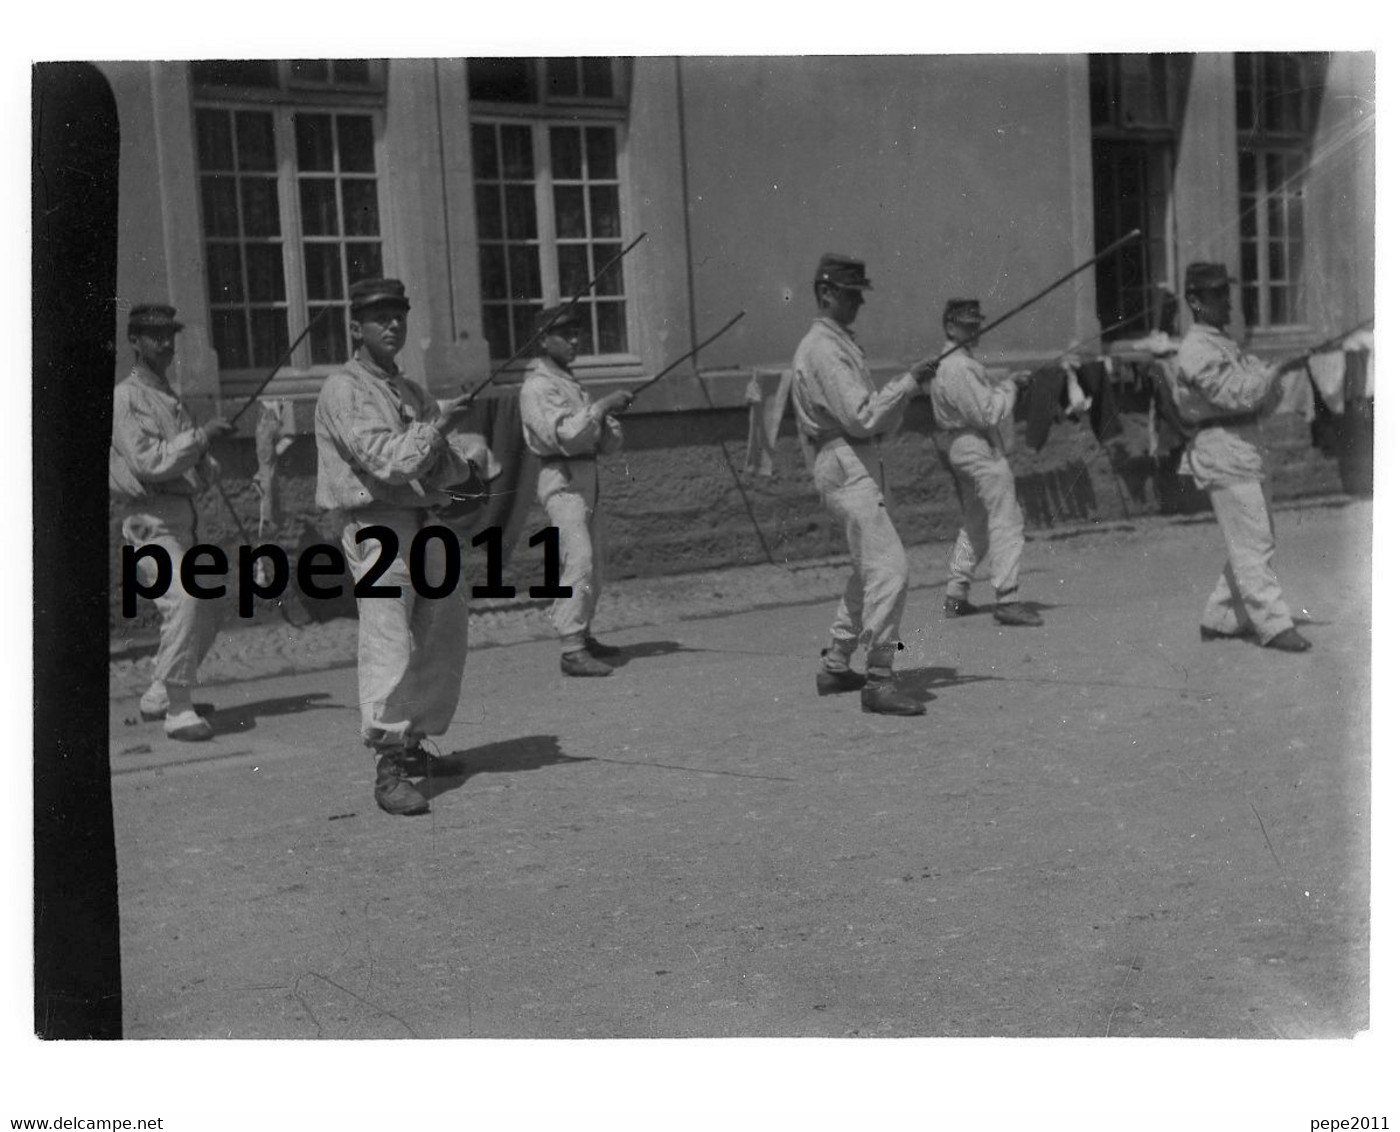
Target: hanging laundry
(767, 396)
(1096, 378)
(1044, 393)
(1296, 394)
(1328, 372)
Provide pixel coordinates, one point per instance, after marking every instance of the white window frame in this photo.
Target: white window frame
(1261, 144)
(297, 303)
(548, 237)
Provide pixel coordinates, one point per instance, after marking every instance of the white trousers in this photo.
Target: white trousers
(575, 512)
(879, 584)
(188, 625)
(1248, 592)
(992, 523)
(413, 649)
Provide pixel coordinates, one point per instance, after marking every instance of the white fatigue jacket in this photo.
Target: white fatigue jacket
(833, 394)
(964, 399)
(562, 429)
(156, 448)
(376, 433)
(1223, 390)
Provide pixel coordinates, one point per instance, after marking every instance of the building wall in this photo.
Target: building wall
(955, 175)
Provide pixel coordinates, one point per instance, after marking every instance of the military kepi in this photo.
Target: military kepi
(842, 271)
(557, 317)
(1207, 277)
(383, 292)
(965, 311)
(152, 316)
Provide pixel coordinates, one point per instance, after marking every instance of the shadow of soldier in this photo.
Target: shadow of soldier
(244, 717)
(528, 752)
(919, 683)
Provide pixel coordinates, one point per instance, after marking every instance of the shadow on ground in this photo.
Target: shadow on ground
(920, 682)
(645, 650)
(529, 752)
(244, 717)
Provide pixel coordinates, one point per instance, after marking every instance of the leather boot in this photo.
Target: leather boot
(1016, 613)
(392, 790)
(883, 698)
(1290, 640)
(830, 683)
(579, 663)
(596, 649)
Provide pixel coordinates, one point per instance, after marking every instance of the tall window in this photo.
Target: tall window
(290, 209)
(547, 142)
(1134, 114)
(1276, 101)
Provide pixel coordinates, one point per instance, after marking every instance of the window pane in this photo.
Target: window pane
(1247, 173)
(257, 149)
(260, 211)
(573, 268)
(364, 261)
(265, 279)
(488, 213)
(501, 80)
(356, 135)
(562, 76)
(214, 135)
(1249, 261)
(485, 161)
(315, 144)
(520, 212)
(517, 153)
(220, 206)
(361, 201)
(265, 282)
(353, 72)
(1295, 260)
(565, 154)
(1273, 216)
(323, 278)
(597, 78)
(612, 328)
(569, 219)
(311, 70)
(1278, 306)
(270, 339)
(1249, 300)
(524, 273)
(225, 272)
(610, 282)
(234, 72)
(1277, 268)
(606, 217)
(602, 154)
(495, 328)
(522, 320)
(492, 259)
(318, 211)
(329, 336)
(230, 333)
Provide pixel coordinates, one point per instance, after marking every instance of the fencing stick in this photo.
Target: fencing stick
(538, 334)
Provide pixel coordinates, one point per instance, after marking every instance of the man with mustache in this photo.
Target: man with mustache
(158, 463)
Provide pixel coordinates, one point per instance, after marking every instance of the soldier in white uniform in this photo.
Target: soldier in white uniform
(1223, 392)
(568, 430)
(384, 455)
(971, 408)
(158, 463)
(841, 416)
